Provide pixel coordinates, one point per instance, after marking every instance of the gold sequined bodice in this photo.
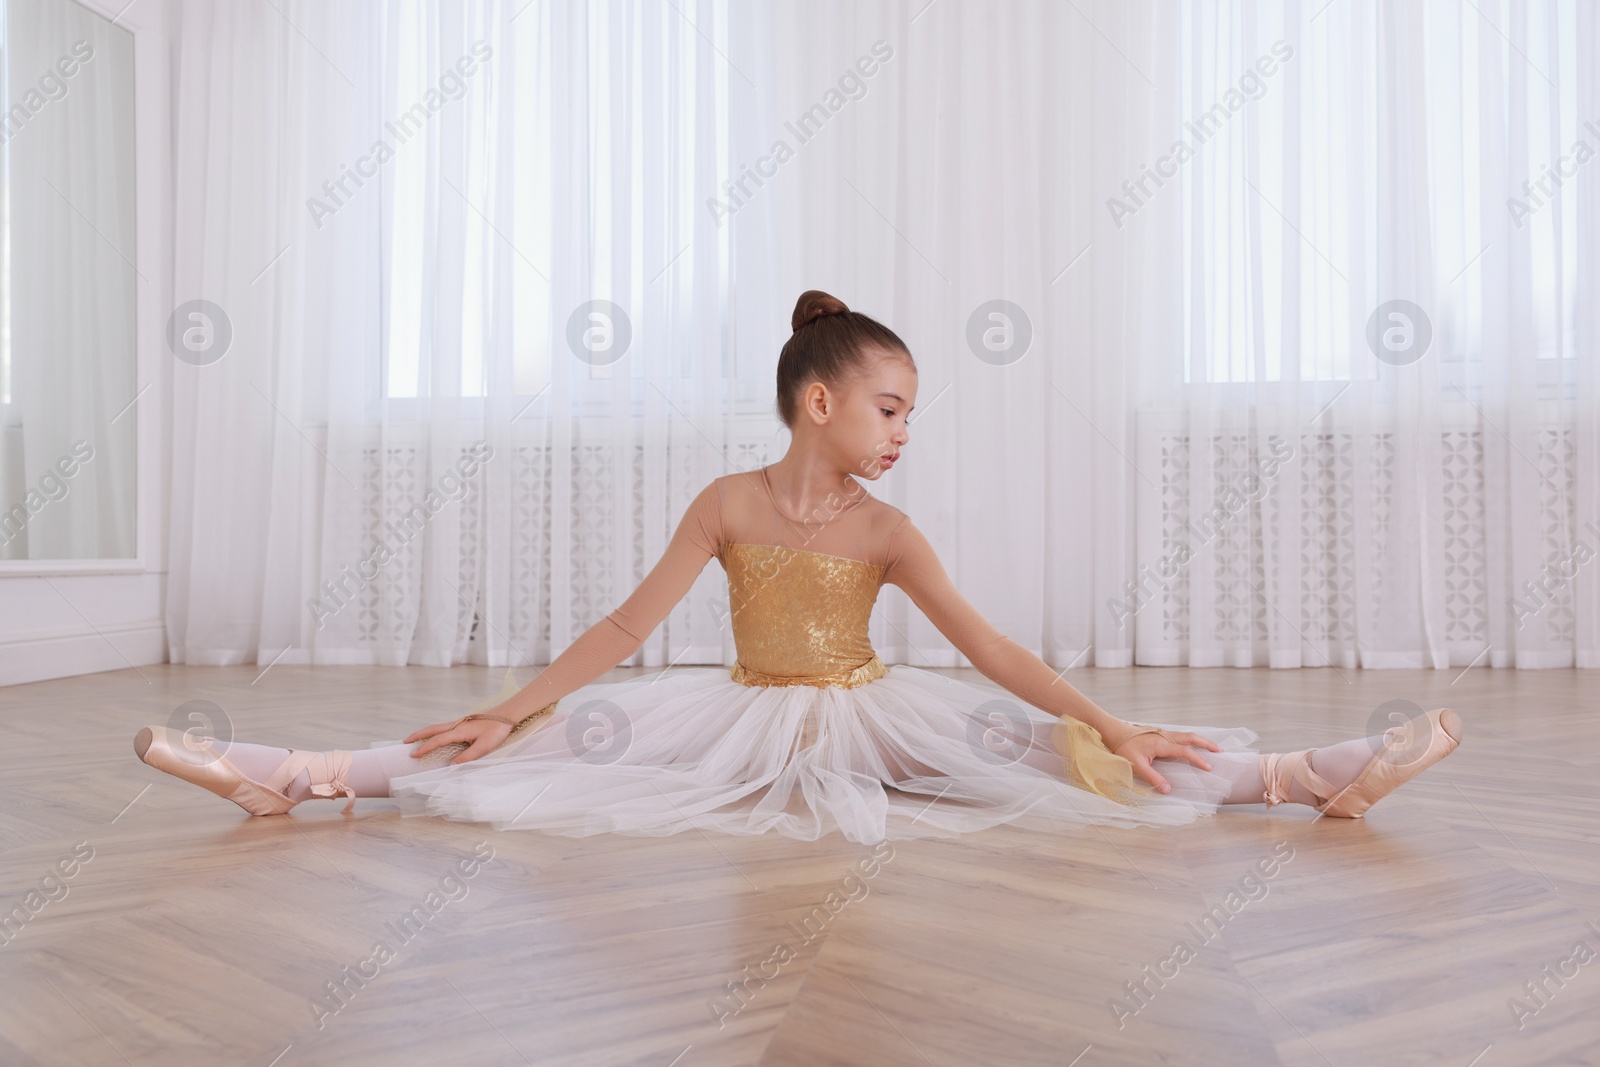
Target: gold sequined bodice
(801, 617)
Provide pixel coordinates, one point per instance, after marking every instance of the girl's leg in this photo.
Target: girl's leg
(370, 768)
(1339, 764)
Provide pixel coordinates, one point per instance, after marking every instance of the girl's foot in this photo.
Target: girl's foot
(298, 774)
(1346, 779)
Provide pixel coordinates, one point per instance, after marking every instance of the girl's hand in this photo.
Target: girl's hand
(482, 735)
(1141, 749)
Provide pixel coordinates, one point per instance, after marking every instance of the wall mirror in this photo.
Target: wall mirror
(68, 284)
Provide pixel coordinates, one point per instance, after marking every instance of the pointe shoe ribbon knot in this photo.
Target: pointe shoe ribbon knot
(1271, 795)
(336, 767)
(1279, 771)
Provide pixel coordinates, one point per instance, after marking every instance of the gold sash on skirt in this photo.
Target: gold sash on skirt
(847, 679)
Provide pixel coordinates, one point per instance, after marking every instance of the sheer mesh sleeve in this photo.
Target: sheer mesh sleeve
(614, 638)
(913, 565)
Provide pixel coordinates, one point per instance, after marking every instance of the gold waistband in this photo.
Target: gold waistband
(849, 679)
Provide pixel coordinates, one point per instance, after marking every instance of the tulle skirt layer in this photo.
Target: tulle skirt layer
(910, 754)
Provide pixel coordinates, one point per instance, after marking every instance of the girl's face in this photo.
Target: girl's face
(869, 427)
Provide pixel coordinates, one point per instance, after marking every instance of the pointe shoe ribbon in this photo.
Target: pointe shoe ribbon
(329, 781)
(1280, 770)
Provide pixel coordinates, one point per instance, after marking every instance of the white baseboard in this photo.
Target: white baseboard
(45, 654)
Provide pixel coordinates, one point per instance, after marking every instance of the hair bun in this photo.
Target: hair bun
(813, 305)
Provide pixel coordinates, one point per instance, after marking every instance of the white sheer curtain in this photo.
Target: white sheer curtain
(1200, 459)
(967, 169)
(1121, 357)
(423, 446)
(1324, 501)
(851, 160)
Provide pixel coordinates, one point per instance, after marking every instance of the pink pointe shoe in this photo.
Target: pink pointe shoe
(1408, 750)
(170, 750)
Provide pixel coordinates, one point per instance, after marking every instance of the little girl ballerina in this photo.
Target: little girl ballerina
(809, 732)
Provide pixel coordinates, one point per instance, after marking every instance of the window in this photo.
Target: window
(1273, 256)
(639, 96)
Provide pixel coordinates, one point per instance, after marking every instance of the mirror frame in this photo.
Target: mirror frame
(153, 219)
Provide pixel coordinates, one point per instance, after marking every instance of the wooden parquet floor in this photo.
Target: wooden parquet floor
(190, 933)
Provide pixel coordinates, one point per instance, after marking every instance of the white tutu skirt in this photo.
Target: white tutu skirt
(909, 754)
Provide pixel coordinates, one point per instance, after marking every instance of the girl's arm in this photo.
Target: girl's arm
(618, 635)
(914, 566)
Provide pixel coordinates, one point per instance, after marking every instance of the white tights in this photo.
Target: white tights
(372, 768)
(1339, 764)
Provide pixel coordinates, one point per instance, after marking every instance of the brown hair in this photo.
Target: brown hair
(829, 345)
